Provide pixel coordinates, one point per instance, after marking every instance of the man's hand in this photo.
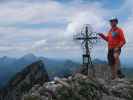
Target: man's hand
(99, 34)
(103, 36)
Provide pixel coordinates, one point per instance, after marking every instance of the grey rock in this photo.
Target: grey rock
(85, 87)
(102, 71)
(79, 86)
(25, 80)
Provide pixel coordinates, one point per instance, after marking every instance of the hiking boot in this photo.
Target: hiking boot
(120, 74)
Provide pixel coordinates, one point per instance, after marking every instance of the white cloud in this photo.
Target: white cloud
(128, 29)
(85, 17)
(38, 12)
(128, 24)
(39, 43)
(49, 39)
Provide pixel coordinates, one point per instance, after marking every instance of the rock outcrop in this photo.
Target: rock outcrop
(24, 81)
(83, 87)
(32, 83)
(102, 71)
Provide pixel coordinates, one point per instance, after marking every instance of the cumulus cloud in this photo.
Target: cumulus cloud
(47, 25)
(14, 12)
(85, 17)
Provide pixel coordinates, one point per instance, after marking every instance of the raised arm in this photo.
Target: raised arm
(103, 36)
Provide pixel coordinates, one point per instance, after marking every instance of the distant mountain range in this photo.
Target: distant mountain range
(10, 66)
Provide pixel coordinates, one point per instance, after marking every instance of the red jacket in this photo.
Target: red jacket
(115, 38)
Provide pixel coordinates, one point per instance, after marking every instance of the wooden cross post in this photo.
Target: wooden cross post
(87, 39)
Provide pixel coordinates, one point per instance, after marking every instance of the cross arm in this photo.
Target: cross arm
(82, 38)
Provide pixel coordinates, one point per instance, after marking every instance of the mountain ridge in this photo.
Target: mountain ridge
(22, 81)
(33, 83)
(14, 65)
(83, 87)
(9, 66)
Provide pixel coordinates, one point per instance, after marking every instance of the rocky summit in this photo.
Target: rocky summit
(23, 81)
(32, 83)
(83, 87)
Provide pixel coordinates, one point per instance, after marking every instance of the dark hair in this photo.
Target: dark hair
(116, 20)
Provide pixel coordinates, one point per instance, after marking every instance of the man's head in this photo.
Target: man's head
(113, 22)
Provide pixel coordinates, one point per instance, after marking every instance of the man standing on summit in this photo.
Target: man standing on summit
(116, 40)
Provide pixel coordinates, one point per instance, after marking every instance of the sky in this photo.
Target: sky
(46, 27)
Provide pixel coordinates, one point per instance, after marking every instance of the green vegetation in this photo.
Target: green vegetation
(31, 98)
(80, 90)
